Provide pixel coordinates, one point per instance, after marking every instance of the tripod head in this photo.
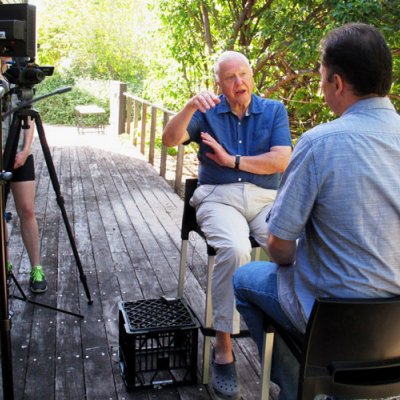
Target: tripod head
(25, 75)
(28, 103)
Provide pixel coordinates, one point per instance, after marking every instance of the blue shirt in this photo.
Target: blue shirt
(340, 196)
(265, 125)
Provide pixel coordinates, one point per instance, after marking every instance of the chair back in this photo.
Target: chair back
(189, 222)
(352, 349)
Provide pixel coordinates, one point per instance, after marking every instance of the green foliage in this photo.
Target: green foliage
(60, 109)
(165, 50)
(280, 38)
(97, 39)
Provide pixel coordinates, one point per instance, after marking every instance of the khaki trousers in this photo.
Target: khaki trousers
(228, 215)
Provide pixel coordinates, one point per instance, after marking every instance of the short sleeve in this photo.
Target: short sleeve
(280, 129)
(195, 127)
(297, 194)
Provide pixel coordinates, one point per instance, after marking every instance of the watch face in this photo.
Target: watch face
(237, 162)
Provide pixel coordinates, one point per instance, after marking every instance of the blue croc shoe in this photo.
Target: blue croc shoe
(224, 379)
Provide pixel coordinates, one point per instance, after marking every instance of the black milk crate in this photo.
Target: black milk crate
(157, 343)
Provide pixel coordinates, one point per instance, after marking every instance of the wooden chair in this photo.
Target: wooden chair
(189, 224)
(351, 349)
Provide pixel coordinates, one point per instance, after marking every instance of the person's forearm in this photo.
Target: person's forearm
(175, 131)
(282, 252)
(274, 161)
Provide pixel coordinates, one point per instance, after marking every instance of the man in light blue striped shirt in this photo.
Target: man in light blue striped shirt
(334, 227)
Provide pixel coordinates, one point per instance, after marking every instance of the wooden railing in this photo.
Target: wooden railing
(138, 112)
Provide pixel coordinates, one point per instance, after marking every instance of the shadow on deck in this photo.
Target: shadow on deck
(126, 220)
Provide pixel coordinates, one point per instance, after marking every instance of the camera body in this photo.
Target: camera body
(24, 76)
(18, 41)
(27, 74)
(17, 30)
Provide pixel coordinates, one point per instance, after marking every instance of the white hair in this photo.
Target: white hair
(228, 55)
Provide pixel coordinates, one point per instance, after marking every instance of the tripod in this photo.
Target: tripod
(21, 114)
(19, 117)
(5, 320)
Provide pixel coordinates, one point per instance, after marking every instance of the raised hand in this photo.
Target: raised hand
(204, 101)
(220, 155)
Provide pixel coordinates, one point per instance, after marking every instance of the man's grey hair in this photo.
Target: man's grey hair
(228, 55)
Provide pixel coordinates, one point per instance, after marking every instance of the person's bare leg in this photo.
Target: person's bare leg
(223, 371)
(223, 348)
(24, 199)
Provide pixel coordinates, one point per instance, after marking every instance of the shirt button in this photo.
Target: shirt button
(240, 141)
(240, 179)
(239, 123)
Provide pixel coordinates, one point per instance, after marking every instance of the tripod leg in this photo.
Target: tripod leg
(60, 200)
(24, 298)
(5, 330)
(5, 320)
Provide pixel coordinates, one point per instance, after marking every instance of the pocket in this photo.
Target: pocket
(201, 194)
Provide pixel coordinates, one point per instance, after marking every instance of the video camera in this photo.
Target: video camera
(25, 73)
(18, 41)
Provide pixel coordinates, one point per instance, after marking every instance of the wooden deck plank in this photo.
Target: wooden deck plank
(126, 224)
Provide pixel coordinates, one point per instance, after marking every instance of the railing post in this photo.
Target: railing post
(117, 107)
(135, 123)
(143, 130)
(163, 160)
(128, 115)
(152, 134)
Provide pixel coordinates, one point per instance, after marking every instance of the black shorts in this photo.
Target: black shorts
(26, 172)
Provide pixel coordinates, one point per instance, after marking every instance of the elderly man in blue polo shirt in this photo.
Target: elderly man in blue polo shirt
(244, 143)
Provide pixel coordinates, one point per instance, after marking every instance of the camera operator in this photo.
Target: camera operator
(23, 189)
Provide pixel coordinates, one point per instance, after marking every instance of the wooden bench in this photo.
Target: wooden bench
(83, 112)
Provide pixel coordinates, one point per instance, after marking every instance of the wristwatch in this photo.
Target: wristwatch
(237, 162)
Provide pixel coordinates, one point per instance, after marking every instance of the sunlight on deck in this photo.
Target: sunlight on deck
(60, 135)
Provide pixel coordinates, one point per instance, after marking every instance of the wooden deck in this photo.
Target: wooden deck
(126, 221)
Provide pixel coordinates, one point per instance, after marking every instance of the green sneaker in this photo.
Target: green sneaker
(9, 273)
(38, 283)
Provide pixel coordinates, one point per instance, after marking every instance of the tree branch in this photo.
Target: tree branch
(239, 23)
(262, 62)
(207, 30)
(288, 78)
(196, 19)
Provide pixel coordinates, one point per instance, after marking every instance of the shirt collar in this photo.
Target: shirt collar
(254, 106)
(370, 104)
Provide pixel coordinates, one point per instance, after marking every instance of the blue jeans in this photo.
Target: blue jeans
(256, 293)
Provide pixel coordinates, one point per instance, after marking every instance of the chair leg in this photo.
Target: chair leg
(208, 323)
(206, 360)
(266, 363)
(257, 253)
(182, 268)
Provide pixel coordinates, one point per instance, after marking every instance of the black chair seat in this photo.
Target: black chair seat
(351, 349)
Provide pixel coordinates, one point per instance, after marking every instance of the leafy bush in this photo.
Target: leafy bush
(60, 109)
